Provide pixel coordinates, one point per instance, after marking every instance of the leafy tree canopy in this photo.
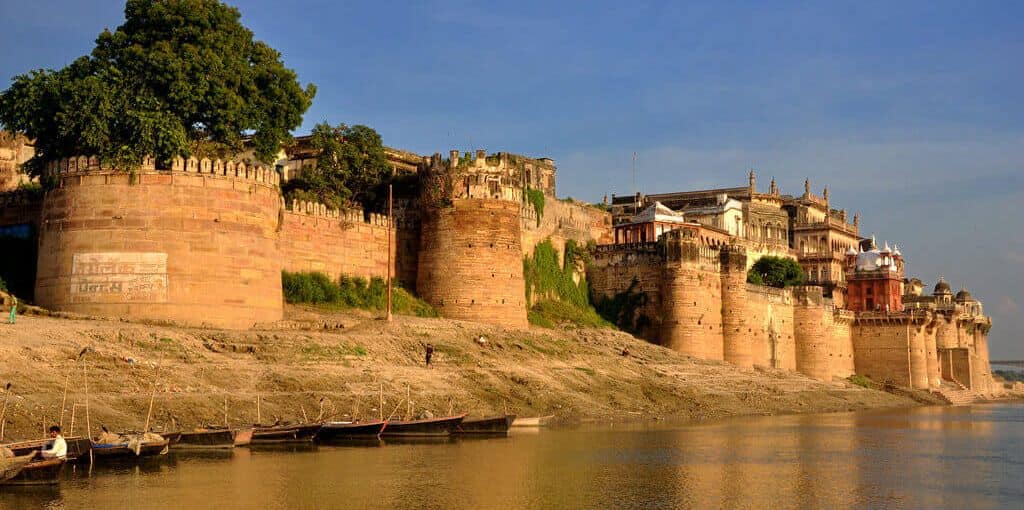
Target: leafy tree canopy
(776, 272)
(179, 77)
(351, 167)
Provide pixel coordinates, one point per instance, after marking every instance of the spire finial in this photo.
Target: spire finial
(807, 187)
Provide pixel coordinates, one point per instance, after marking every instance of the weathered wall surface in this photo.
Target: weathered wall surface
(563, 220)
(841, 359)
(736, 335)
(196, 244)
(315, 238)
(637, 270)
(470, 261)
(882, 350)
(811, 325)
(770, 324)
(692, 299)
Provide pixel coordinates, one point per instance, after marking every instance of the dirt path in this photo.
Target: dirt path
(575, 374)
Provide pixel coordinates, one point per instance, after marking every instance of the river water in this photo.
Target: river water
(935, 457)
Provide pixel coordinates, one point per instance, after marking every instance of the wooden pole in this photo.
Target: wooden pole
(305, 419)
(64, 401)
(149, 414)
(259, 417)
(226, 412)
(3, 414)
(408, 402)
(71, 432)
(88, 422)
(380, 407)
(390, 199)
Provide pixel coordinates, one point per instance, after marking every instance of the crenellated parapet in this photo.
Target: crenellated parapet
(86, 165)
(354, 215)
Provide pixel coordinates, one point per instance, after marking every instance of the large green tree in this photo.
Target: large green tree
(351, 168)
(178, 78)
(776, 272)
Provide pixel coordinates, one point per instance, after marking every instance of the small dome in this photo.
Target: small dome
(942, 287)
(963, 296)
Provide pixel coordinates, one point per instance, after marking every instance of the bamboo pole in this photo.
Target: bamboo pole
(64, 400)
(259, 416)
(71, 431)
(3, 414)
(305, 419)
(380, 406)
(226, 412)
(408, 402)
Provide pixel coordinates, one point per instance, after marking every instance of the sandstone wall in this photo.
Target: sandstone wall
(882, 350)
(692, 300)
(470, 261)
(315, 238)
(196, 244)
(770, 325)
(841, 360)
(616, 268)
(563, 220)
(736, 336)
(811, 325)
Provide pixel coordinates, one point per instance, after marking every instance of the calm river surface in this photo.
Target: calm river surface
(939, 457)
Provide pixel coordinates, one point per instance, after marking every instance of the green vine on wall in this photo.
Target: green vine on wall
(623, 309)
(552, 293)
(536, 198)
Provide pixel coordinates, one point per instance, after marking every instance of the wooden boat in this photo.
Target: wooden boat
(78, 447)
(302, 432)
(537, 421)
(491, 425)
(41, 472)
(433, 427)
(346, 430)
(201, 439)
(130, 445)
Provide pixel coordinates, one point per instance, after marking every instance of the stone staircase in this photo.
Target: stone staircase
(955, 393)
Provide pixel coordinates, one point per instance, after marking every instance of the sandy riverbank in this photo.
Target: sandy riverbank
(295, 366)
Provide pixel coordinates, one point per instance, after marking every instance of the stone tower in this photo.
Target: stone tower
(471, 259)
(735, 334)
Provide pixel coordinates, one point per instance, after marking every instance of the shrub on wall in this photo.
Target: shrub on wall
(777, 272)
(351, 292)
(552, 293)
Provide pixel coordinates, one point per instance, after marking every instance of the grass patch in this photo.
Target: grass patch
(550, 313)
(861, 381)
(351, 292)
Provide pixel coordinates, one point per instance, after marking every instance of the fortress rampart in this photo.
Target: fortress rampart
(196, 243)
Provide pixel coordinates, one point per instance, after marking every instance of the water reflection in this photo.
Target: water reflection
(921, 458)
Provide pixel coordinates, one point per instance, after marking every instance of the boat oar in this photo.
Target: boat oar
(3, 414)
(149, 414)
(395, 410)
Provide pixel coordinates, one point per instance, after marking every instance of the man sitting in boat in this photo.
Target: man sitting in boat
(59, 448)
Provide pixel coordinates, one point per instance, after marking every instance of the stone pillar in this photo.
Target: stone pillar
(810, 330)
(736, 338)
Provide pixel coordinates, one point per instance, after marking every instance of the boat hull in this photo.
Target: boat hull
(44, 472)
(537, 421)
(78, 447)
(348, 431)
(122, 450)
(436, 427)
(285, 434)
(201, 439)
(492, 425)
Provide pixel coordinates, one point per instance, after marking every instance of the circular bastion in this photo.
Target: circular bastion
(194, 244)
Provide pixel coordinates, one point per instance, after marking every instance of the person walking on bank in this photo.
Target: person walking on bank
(14, 309)
(429, 348)
(59, 448)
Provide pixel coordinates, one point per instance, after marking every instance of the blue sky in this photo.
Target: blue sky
(912, 112)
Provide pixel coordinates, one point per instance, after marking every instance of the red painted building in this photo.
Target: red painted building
(874, 280)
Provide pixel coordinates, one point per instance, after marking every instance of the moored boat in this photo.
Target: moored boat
(35, 472)
(78, 447)
(489, 425)
(341, 431)
(536, 421)
(432, 427)
(201, 439)
(302, 432)
(129, 445)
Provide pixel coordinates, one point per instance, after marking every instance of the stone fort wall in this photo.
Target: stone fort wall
(197, 243)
